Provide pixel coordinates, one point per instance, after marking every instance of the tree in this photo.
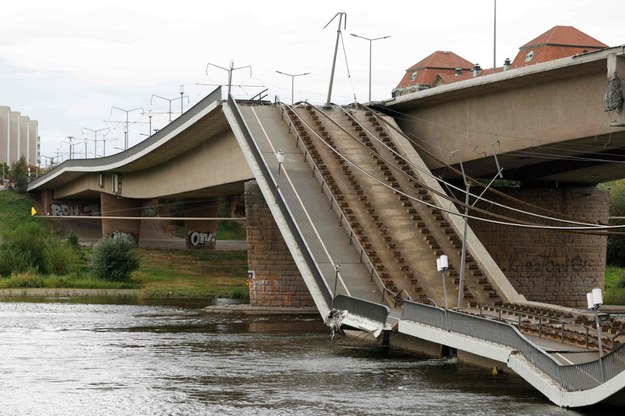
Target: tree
(616, 243)
(19, 174)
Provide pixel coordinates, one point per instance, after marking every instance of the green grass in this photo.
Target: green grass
(195, 273)
(162, 273)
(614, 286)
(14, 209)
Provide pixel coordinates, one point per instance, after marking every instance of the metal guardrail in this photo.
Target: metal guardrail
(365, 309)
(362, 307)
(572, 377)
(353, 238)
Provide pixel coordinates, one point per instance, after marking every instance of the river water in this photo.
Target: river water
(100, 359)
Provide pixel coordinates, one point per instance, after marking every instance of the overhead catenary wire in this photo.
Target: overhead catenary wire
(474, 181)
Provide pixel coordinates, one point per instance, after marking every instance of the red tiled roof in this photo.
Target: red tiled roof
(442, 59)
(558, 42)
(424, 72)
(564, 36)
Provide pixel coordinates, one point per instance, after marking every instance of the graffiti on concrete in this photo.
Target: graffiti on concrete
(200, 239)
(126, 237)
(59, 209)
(543, 264)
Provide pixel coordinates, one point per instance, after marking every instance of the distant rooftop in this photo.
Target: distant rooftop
(445, 67)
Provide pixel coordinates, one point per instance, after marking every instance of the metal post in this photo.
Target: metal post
(230, 70)
(370, 55)
(336, 49)
(599, 341)
(181, 99)
(292, 83)
(127, 112)
(337, 268)
(463, 257)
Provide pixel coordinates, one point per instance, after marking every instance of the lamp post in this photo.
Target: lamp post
(293, 81)
(280, 156)
(595, 300)
(150, 122)
(181, 90)
(95, 138)
(126, 129)
(370, 53)
(442, 264)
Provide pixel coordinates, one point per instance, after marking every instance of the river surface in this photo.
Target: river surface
(100, 359)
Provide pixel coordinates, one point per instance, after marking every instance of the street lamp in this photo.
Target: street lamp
(370, 52)
(292, 81)
(595, 300)
(181, 90)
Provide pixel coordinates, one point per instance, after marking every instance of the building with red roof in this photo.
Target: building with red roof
(558, 42)
(445, 67)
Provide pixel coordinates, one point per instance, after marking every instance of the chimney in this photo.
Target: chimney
(506, 64)
(477, 70)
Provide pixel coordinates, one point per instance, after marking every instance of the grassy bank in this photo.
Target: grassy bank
(614, 286)
(162, 273)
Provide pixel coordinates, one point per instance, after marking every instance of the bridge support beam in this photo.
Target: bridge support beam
(121, 207)
(275, 280)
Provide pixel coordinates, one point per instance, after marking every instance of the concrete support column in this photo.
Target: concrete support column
(549, 265)
(120, 207)
(201, 233)
(274, 279)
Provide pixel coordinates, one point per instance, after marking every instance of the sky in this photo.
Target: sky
(67, 63)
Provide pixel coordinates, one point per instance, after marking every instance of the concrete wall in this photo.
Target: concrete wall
(113, 206)
(549, 266)
(213, 163)
(276, 282)
(518, 118)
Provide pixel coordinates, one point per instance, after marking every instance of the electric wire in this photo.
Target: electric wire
(513, 222)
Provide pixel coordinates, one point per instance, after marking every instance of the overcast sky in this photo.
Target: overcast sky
(66, 63)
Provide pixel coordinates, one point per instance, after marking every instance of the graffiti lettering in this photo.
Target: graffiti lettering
(543, 264)
(199, 239)
(62, 210)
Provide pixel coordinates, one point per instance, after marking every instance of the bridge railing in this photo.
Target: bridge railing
(353, 238)
(572, 377)
(361, 307)
(280, 202)
(365, 309)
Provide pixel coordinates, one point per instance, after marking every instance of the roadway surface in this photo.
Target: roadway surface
(310, 208)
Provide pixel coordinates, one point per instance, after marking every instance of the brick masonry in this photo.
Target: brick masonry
(276, 281)
(549, 266)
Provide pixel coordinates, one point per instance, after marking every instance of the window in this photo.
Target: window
(529, 56)
(413, 76)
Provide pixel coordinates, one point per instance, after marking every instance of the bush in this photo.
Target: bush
(24, 248)
(114, 259)
(61, 258)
